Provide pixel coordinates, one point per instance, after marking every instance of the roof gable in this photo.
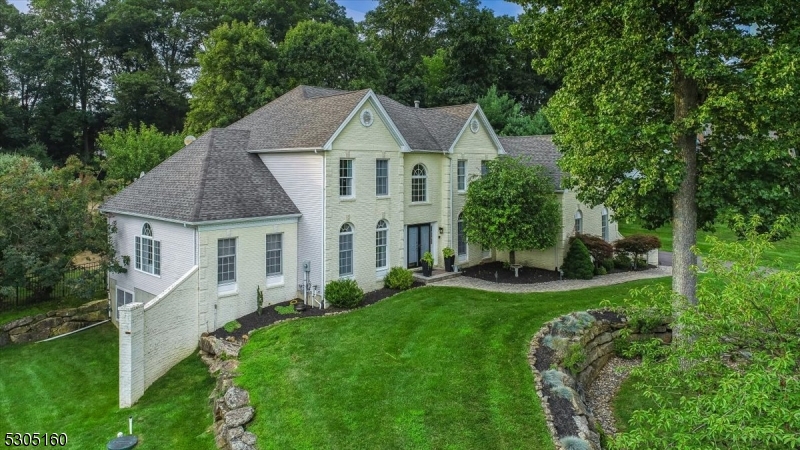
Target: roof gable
(384, 115)
(477, 113)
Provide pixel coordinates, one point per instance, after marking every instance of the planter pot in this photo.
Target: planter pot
(427, 269)
(300, 307)
(448, 263)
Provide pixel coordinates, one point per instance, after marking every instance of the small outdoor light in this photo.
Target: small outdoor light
(496, 277)
(441, 230)
(560, 274)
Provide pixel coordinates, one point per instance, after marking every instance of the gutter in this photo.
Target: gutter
(206, 222)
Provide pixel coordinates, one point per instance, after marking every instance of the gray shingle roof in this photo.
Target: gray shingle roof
(428, 128)
(213, 178)
(538, 150)
(305, 117)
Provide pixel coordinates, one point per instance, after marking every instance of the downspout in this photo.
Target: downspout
(322, 226)
(450, 194)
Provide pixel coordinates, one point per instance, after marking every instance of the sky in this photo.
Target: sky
(357, 8)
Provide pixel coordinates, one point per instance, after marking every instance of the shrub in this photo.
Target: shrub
(343, 293)
(574, 443)
(578, 262)
(622, 261)
(232, 326)
(598, 248)
(600, 270)
(398, 278)
(608, 264)
(285, 310)
(637, 245)
(448, 252)
(575, 357)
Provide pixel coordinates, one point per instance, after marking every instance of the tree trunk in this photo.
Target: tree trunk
(512, 257)
(684, 202)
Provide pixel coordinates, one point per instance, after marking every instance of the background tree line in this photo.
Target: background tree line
(74, 69)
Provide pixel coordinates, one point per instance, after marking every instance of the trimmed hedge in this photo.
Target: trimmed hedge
(398, 278)
(343, 293)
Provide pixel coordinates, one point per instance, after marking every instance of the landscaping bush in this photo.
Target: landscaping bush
(600, 270)
(598, 248)
(343, 293)
(622, 261)
(578, 262)
(398, 278)
(608, 264)
(637, 245)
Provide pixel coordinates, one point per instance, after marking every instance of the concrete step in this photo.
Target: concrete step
(436, 275)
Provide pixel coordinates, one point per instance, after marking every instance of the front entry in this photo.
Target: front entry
(419, 242)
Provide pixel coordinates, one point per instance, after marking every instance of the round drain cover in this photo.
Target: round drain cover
(123, 443)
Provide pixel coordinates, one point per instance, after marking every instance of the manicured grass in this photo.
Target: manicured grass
(429, 368)
(70, 385)
(17, 312)
(787, 251)
(628, 400)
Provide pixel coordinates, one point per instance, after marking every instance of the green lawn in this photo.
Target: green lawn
(430, 368)
(70, 385)
(787, 251)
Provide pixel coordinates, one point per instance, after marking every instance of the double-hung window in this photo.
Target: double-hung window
(274, 254)
(419, 184)
(382, 177)
(346, 250)
(604, 224)
(381, 239)
(345, 178)
(147, 252)
(462, 175)
(578, 222)
(226, 261)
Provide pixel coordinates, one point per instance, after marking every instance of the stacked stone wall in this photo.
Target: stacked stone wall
(53, 323)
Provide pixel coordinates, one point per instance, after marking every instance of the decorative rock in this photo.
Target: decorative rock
(66, 328)
(235, 433)
(30, 337)
(17, 323)
(239, 417)
(249, 438)
(218, 347)
(236, 398)
(239, 445)
(53, 323)
(4, 339)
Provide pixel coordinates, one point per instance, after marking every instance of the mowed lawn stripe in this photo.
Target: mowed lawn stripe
(70, 385)
(429, 368)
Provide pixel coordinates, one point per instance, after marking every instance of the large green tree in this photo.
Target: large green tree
(513, 207)
(131, 151)
(46, 218)
(329, 55)
(277, 17)
(238, 73)
(507, 118)
(682, 111)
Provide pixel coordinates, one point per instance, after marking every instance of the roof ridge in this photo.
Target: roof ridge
(450, 106)
(200, 194)
(339, 92)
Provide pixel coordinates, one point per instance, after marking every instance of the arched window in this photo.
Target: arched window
(462, 237)
(419, 184)
(346, 250)
(147, 251)
(578, 221)
(381, 241)
(604, 224)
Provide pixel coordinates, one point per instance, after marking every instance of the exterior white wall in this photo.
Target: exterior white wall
(156, 336)
(302, 177)
(177, 256)
(364, 145)
(473, 148)
(216, 308)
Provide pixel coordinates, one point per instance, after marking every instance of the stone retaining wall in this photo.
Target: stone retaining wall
(585, 342)
(53, 323)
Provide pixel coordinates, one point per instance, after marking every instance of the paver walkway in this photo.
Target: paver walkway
(552, 286)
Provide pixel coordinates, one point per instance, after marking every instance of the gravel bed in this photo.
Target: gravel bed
(600, 395)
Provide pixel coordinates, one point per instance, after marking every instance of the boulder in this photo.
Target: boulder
(47, 324)
(97, 305)
(235, 433)
(239, 417)
(30, 337)
(239, 445)
(249, 438)
(93, 316)
(4, 339)
(17, 323)
(236, 398)
(65, 328)
(219, 347)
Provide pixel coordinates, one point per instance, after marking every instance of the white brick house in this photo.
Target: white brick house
(317, 185)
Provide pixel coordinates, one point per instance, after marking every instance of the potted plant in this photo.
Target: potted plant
(449, 258)
(427, 264)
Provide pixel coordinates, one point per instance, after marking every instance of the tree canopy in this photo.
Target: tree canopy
(131, 151)
(683, 112)
(513, 207)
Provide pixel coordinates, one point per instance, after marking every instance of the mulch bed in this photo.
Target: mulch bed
(527, 275)
(269, 315)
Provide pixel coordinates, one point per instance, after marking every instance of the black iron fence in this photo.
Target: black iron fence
(83, 276)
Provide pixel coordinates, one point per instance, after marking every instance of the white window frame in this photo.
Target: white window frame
(349, 190)
(124, 291)
(378, 177)
(274, 278)
(382, 243)
(347, 230)
(461, 175)
(226, 286)
(146, 237)
(604, 230)
(417, 178)
(461, 238)
(578, 222)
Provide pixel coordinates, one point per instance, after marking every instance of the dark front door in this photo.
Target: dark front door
(419, 242)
